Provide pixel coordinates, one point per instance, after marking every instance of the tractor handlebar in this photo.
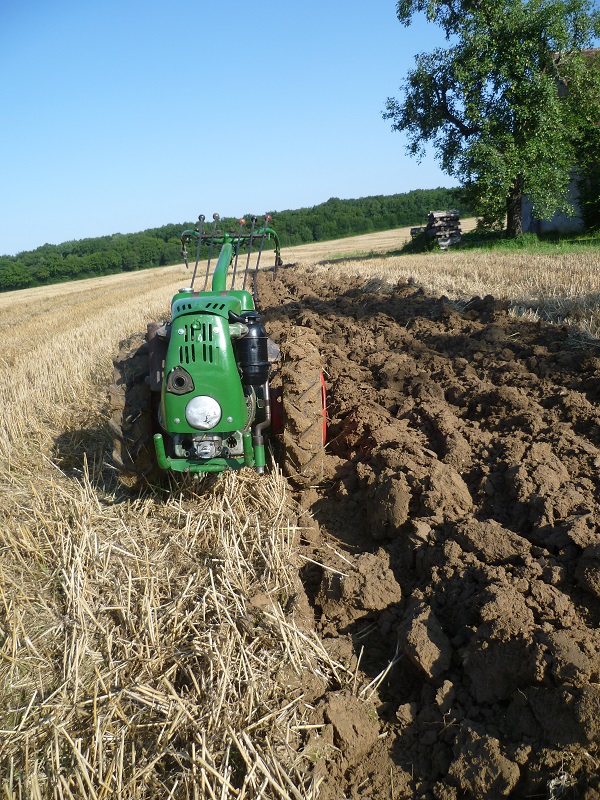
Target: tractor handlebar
(229, 245)
(221, 238)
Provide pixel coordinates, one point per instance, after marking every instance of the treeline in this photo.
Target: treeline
(87, 258)
(338, 218)
(157, 247)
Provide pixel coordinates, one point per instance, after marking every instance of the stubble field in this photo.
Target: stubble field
(422, 624)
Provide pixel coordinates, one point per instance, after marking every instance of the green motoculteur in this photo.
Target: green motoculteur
(194, 394)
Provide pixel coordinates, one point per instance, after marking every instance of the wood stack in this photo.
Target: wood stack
(445, 227)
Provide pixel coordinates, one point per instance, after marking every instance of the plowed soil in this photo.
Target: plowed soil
(458, 528)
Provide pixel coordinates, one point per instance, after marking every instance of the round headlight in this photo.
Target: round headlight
(203, 412)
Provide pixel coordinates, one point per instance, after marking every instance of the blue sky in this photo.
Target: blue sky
(122, 115)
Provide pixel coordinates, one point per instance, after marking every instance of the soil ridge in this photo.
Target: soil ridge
(459, 516)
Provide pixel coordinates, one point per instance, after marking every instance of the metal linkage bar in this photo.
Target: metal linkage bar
(210, 250)
(260, 249)
(242, 222)
(201, 219)
(249, 251)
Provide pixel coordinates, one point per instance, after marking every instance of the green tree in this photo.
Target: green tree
(588, 146)
(499, 103)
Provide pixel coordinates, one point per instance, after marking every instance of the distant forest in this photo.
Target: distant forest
(155, 247)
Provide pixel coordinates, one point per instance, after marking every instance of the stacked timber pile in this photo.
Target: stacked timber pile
(445, 227)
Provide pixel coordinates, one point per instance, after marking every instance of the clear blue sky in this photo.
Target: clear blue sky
(121, 115)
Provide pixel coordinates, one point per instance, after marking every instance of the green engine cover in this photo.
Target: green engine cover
(201, 345)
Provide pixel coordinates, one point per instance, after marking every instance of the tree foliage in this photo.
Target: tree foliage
(588, 146)
(161, 246)
(505, 105)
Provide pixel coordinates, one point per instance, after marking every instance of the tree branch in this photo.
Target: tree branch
(463, 129)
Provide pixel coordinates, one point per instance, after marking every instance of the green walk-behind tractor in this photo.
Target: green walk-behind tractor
(204, 391)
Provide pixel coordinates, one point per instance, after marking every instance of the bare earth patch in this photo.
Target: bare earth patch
(459, 530)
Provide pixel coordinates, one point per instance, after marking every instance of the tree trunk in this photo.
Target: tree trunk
(514, 209)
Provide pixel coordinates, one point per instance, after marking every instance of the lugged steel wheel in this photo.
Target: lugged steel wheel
(132, 421)
(303, 399)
